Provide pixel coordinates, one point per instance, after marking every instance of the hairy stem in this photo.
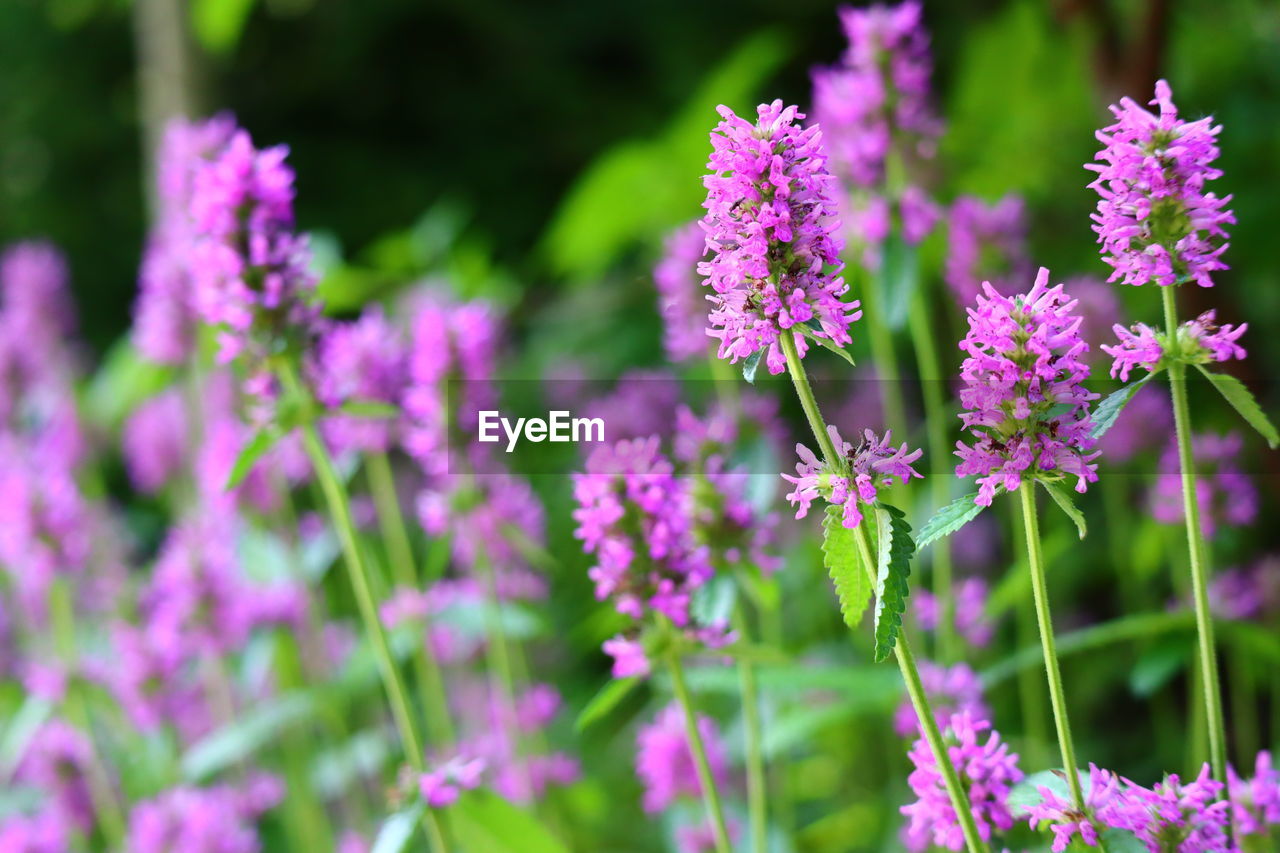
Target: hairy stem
(1039, 591)
(935, 422)
(1212, 691)
(902, 649)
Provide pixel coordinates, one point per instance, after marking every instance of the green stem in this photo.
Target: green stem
(710, 796)
(500, 662)
(1039, 591)
(107, 808)
(335, 494)
(1196, 550)
(935, 422)
(757, 792)
(884, 356)
(400, 553)
(902, 649)
(339, 504)
(928, 722)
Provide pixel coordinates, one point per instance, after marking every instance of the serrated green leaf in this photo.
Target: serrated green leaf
(396, 830)
(949, 519)
(807, 329)
(1235, 393)
(1067, 505)
(1108, 411)
(486, 823)
(249, 456)
(894, 551)
(841, 560)
(605, 701)
(246, 735)
(750, 365)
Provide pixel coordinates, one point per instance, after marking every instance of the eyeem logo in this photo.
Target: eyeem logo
(559, 426)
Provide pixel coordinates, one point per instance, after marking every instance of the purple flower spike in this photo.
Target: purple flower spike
(1028, 409)
(442, 786)
(771, 226)
(877, 96)
(872, 465)
(1155, 221)
(987, 770)
(249, 266)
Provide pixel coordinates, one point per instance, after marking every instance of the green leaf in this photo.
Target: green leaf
(713, 602)
(637, 190)
(605, 701)
(894, 567)
(899, 275)
(1108, 411)
(1026, 793)
(808, 330)
(750, 365)
(1063, 499)
(486, 823)
(247, 735)
(249, 456)
(124, 381)
(1158, 664)
(219, 23)
(1122, 841)
(840, 557)
(370, 409)
(396, 830)
(18, 732)
(1244, 403)
(949, 519)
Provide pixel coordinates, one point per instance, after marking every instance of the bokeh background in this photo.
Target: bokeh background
(534, 154)
(557, 140)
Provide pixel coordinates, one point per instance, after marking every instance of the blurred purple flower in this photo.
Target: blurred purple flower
(681, 299)
(985, 243)
(1224, 493)
(664, 759)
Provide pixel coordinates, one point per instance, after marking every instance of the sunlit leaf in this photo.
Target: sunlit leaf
(486, 823)
(246, 735)
(949, 519)
(894, 552)
(397, 830)
(219, 23)
(848, 574)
